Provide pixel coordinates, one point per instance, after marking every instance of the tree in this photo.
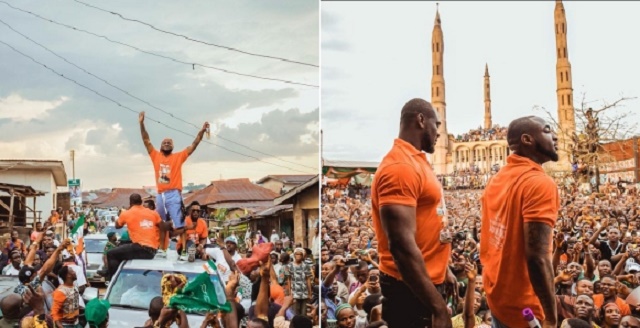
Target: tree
(595, 128)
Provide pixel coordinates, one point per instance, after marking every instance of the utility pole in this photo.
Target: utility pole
(73, 163)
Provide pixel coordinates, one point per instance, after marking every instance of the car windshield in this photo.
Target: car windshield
(136, 288)
(108, 229)
(95, 245)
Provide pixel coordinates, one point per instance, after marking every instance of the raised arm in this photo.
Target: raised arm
(262, 301)
(145, 134)
(594, 239)
(537, 242)
(468, 314)
(399, 226)
(196, 142)
(47, 267)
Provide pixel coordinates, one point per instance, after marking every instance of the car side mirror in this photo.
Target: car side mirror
(90, 293)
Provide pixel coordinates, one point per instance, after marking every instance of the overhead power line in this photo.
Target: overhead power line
(142, 100)
(191, 64)
(137, 112)
(195, 40)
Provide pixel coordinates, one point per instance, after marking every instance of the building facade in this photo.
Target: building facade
(41, 175)
(484, 150)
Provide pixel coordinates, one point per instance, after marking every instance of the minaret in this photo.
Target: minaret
(566, 116)
(487, 99)
(437, 96)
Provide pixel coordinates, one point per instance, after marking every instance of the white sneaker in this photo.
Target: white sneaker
(161, 254)
(183, 257)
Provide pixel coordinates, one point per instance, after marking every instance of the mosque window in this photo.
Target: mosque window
(438, 46)
(557, 30)
(569, 99)
(564, 52)
(558, 52)
(562, 96)
(563, 29)
(561, 77)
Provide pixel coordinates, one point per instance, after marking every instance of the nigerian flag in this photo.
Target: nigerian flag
(77, 234)
(201, 295)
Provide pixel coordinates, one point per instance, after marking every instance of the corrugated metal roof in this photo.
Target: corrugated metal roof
(55, 166)
(313, 183)
(350, 164)
(251, 206)
(274, 210)
(291, 178)
(118, 197)
(233, 190)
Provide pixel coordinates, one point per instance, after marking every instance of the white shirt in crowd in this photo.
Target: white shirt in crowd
(221, 263)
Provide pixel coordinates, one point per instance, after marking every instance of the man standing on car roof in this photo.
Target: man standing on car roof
(168, 172)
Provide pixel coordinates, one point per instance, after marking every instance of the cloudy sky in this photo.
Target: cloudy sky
(45, 116)
(377, 55)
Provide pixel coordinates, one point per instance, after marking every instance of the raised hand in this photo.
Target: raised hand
(141, 117)
(471, 270)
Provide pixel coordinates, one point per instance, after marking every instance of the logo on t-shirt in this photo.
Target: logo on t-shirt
(163, 177)
(146, 224)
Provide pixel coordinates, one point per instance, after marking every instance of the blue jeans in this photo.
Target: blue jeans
(170, 203)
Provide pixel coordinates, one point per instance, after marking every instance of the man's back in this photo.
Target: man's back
(519, 193)
(142, 225)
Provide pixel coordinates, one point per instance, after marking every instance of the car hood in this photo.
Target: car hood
(127, 318)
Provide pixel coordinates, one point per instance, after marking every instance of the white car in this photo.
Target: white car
(136, 283)
(94, 246)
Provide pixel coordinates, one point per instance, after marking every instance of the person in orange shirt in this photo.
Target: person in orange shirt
(168, 172)
(66, 301)
(407, 219)
(143, 227)
(610, 295)
(16, 243)
(197, 233)
(519, 210)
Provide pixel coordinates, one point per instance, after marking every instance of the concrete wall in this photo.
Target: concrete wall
(273, 185)
(38, 180)
(305, 214)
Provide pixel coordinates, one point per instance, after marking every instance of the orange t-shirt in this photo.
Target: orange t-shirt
(65, 304)
(404, 177)
(168, 169)
(54, 218)
(200, 232)
(276, 292)
(142, 224)
(598, 301)
(519, 193)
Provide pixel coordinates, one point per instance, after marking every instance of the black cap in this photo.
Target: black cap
(26, 274)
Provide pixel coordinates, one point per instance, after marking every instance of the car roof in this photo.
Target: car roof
(171, 263)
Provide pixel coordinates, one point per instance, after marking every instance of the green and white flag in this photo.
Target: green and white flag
(77, 234)
(202, 295)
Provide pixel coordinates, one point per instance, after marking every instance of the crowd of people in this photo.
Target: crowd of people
(596, 259)
(481, 134)
(279, 292)
(269, 286)
(582, 250)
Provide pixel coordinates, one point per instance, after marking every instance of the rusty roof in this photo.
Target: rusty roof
(618, 150)
(233, 190)
(291, 178)
(118, 197)
(311, 184)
